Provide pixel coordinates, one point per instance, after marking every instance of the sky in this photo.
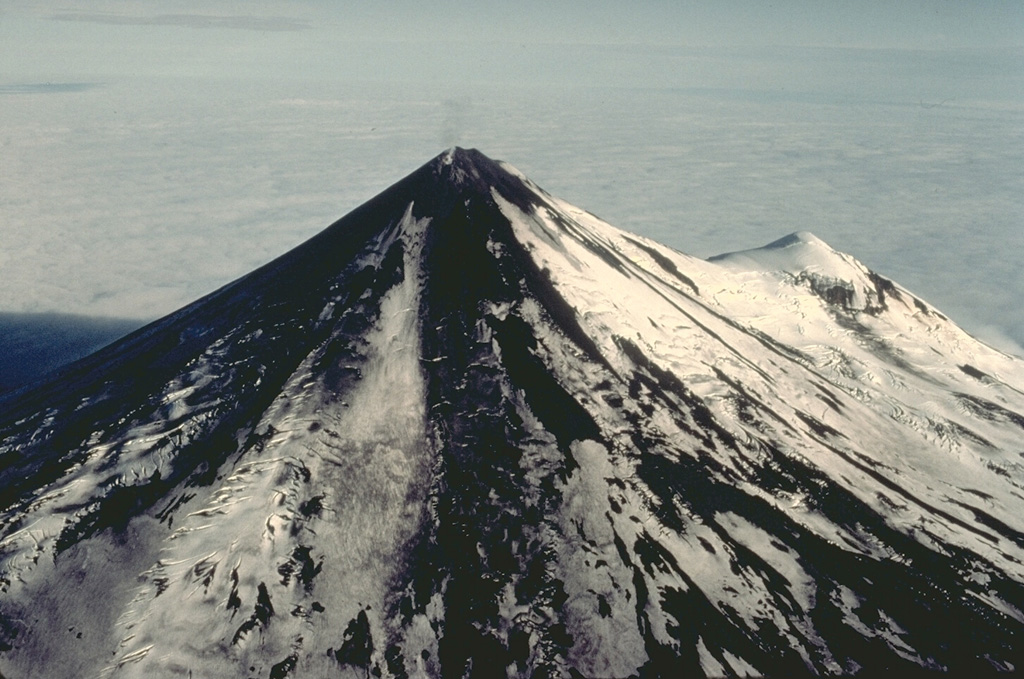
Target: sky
(151, 151)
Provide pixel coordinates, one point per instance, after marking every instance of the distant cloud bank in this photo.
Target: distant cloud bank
(239, 22)
(45, 88)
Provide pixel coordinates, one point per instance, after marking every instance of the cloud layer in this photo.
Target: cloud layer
(235, 22)
(150, 154)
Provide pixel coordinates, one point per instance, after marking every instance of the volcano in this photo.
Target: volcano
(470, 430)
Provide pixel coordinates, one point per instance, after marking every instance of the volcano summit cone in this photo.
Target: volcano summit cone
(470, 429)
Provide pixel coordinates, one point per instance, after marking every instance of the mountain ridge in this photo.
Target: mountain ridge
(470, 428)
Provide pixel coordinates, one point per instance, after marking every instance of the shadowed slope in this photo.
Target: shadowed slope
(32, 345)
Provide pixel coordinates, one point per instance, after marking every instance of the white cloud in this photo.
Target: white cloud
(248, 22)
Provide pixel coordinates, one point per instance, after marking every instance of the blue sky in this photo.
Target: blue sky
(153, 150)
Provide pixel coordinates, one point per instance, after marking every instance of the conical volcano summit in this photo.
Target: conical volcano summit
(470, 430)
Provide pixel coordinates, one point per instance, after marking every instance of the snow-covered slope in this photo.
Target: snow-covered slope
(473, 430)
